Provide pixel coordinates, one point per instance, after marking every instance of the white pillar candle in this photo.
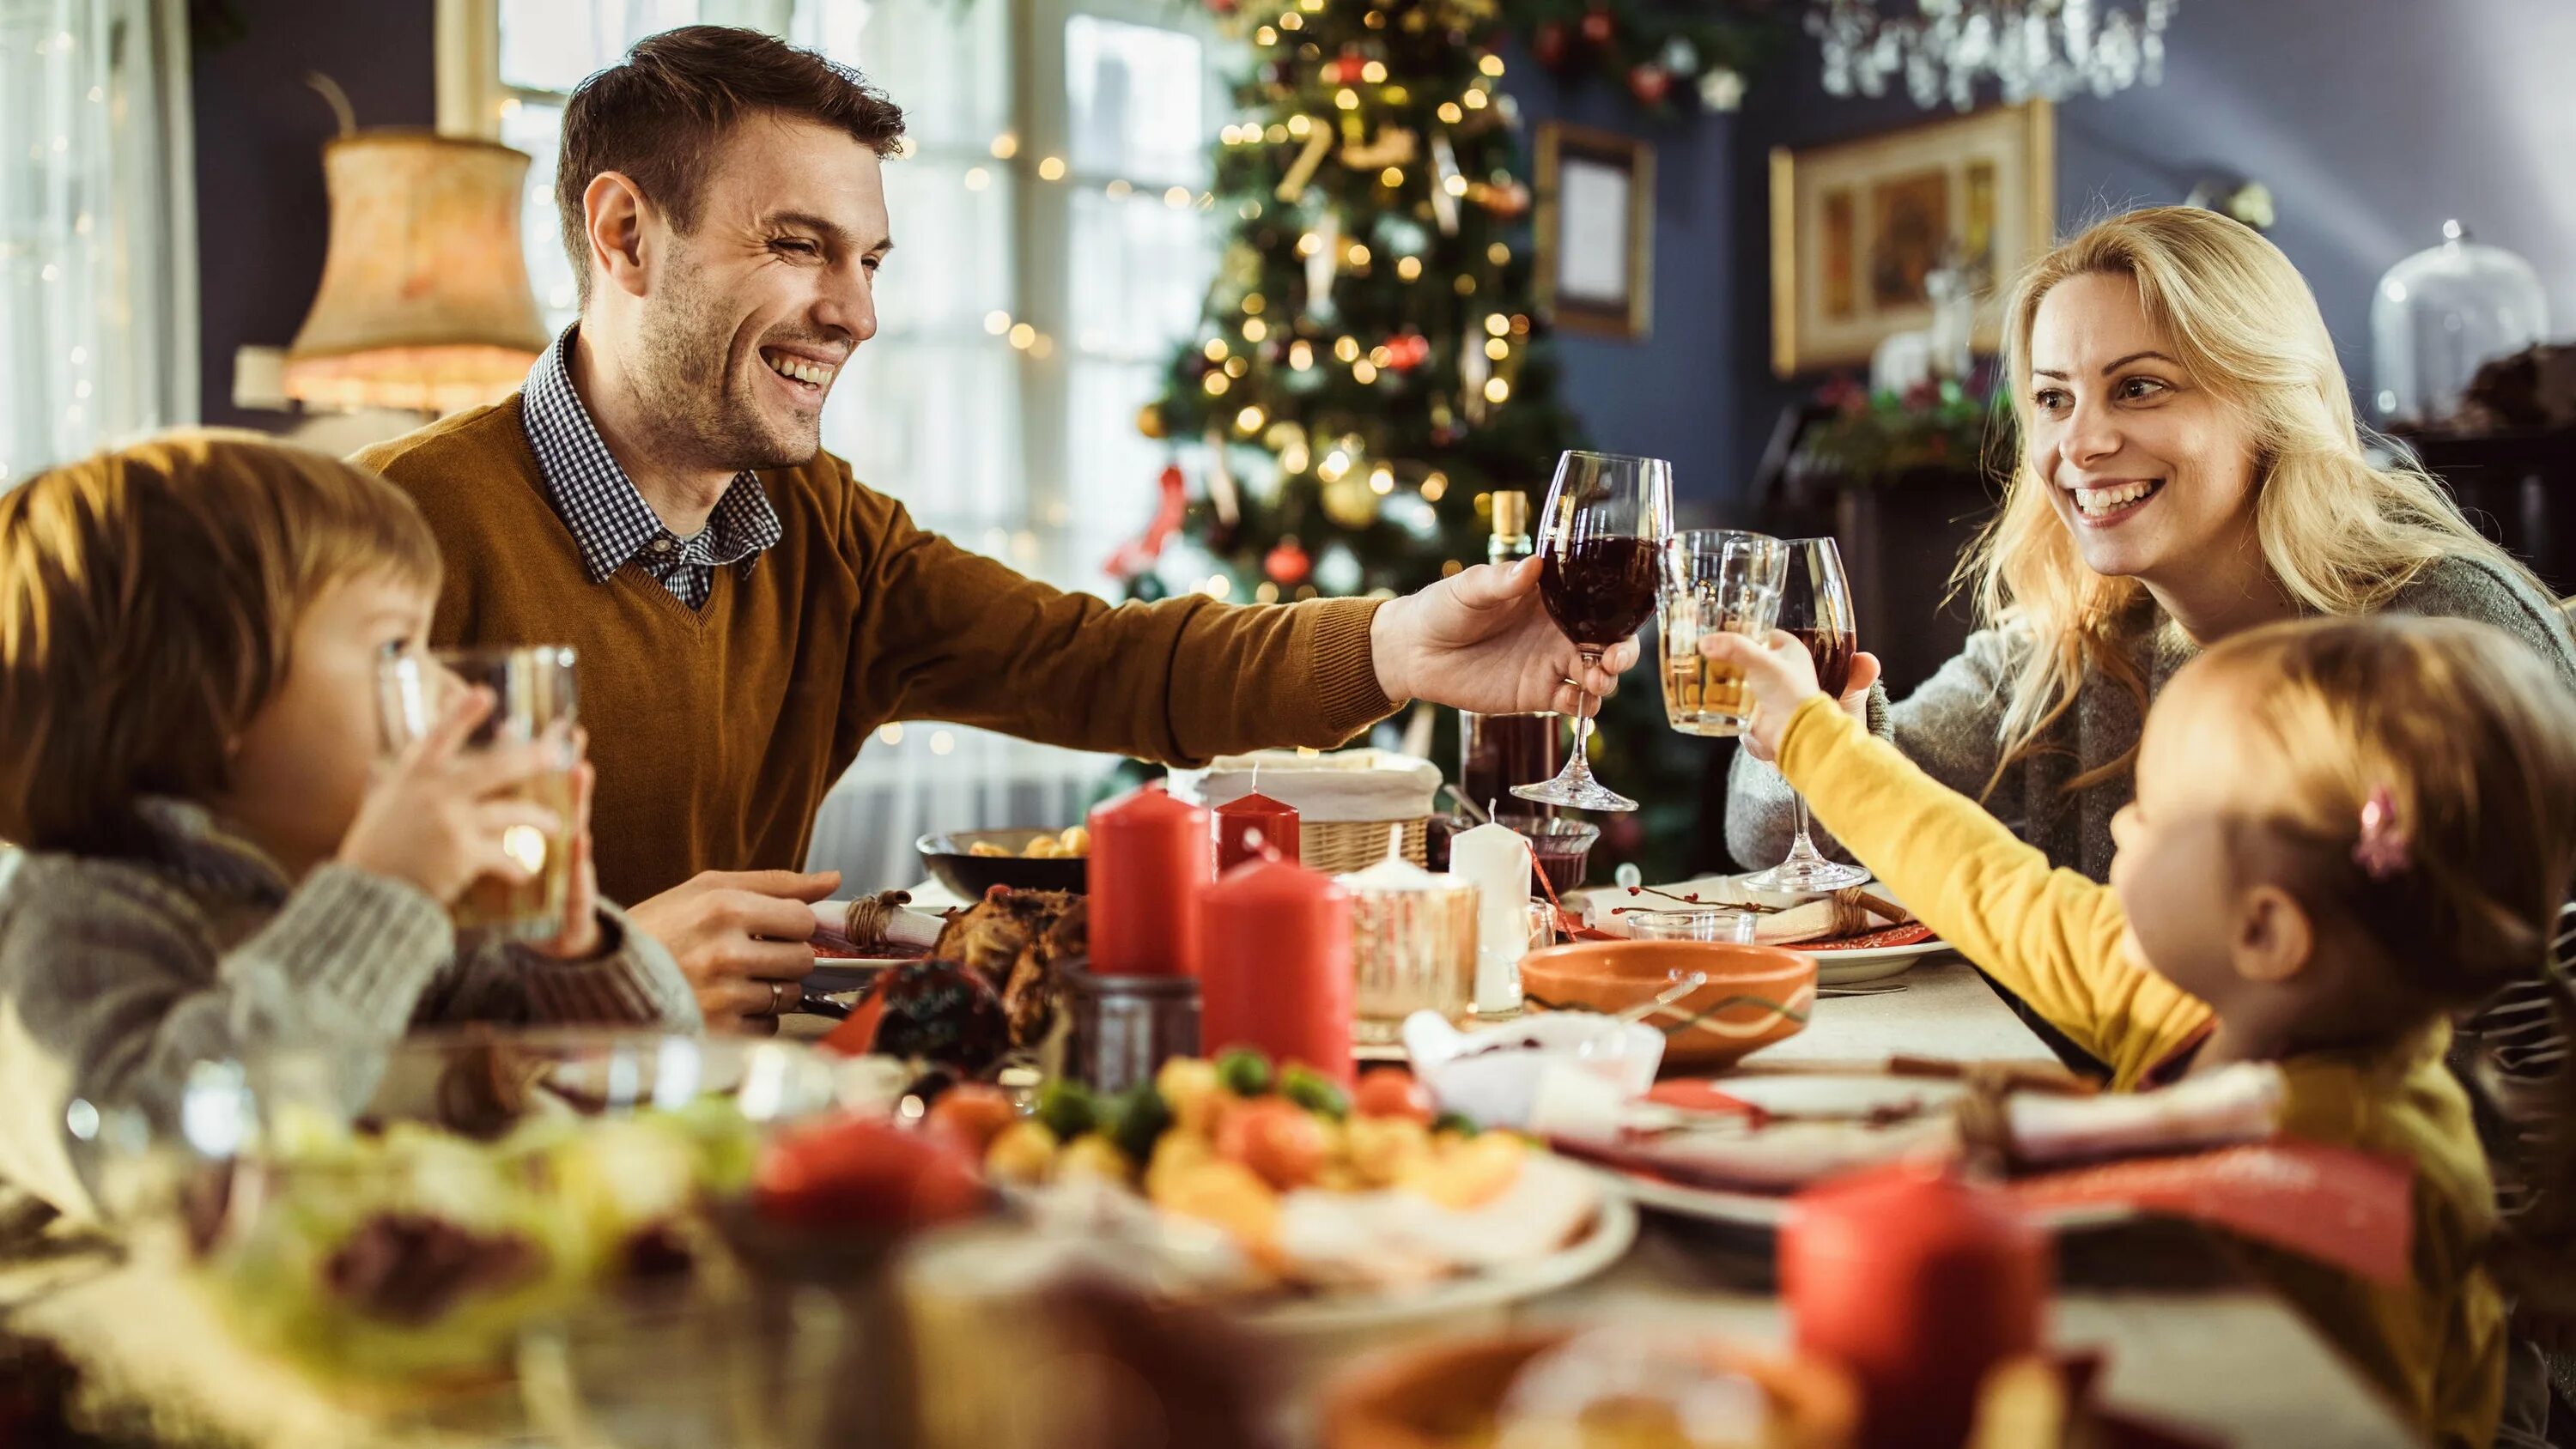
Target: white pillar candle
(1495, 859)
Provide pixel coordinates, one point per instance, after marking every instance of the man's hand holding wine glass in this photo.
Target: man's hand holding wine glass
(1480, 639)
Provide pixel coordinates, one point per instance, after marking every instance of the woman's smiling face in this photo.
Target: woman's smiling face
(2151, 472)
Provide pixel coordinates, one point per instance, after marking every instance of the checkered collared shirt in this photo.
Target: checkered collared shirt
(609, 520)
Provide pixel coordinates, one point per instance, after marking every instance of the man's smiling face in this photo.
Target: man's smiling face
(753, 311)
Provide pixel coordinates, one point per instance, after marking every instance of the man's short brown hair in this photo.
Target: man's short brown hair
(148, 597)
(657, 115)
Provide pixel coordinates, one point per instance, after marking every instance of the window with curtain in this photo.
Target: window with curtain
(1053, 244)
(98, 304)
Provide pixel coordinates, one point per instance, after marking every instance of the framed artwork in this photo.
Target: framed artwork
(1596, 230)
(1857, 226)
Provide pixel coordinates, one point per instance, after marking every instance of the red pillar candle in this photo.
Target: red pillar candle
(1919, 1283)
(1240, 820)
(1275, 973)
(1149, 858)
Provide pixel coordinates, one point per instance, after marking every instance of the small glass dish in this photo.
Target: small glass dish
(1690, 923)
(1563, 847)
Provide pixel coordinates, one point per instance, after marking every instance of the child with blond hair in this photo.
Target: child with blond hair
(2344, 831)
(218, 857)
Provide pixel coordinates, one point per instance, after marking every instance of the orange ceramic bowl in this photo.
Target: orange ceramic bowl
(1444, 1395)
(1754, 996)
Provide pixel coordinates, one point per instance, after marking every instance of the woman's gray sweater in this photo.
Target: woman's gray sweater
(1950, 726)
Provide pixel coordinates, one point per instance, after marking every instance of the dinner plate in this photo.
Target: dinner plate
(1766, 1211)
(840, 975)
(1614, 1228)
(1871, 963)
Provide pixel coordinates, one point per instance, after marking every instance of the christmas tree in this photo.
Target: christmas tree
(1372, 365)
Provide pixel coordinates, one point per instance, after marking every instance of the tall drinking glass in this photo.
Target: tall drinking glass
(1816, 607)
(1600, 546)
(1716, 581)
(532, 692)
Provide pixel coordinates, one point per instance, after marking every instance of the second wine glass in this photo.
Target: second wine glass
(1600, 545)
(1816, 607)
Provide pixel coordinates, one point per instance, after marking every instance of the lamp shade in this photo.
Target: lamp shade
(425, 301)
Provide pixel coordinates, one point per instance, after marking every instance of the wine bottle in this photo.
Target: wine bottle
(1496, 752)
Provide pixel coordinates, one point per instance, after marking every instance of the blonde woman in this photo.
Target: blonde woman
(2190, 467)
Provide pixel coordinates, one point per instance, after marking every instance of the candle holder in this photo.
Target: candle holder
(1125, 1027)
(1413, 948)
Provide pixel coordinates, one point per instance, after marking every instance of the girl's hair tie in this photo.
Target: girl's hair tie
(2383, 849)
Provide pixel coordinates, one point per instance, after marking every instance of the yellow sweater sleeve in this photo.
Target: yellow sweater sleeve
(2051, 937)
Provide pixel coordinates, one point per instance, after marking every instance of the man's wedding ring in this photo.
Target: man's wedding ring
(777, 997)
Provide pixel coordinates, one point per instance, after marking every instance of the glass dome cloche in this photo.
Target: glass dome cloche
(2439, 314)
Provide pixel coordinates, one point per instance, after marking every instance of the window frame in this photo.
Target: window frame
(1041, 274)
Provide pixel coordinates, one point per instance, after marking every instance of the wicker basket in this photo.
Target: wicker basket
(1337, 847)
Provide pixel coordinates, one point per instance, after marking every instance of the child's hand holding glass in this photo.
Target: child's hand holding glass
(1779, 676)
(444, 816)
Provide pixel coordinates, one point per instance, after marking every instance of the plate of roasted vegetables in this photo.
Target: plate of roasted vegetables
(1318, 1207)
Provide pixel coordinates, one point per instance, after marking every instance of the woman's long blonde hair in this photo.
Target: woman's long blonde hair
(2339, 535)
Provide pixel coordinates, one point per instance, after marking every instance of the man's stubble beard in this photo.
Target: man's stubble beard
(690, 396)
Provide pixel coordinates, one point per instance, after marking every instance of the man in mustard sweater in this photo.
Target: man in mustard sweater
(746, 612)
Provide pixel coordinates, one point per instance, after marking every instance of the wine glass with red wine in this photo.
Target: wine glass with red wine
(1816, 607)
(1601, 552)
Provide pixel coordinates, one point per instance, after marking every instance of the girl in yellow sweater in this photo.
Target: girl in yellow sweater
(2344, 831)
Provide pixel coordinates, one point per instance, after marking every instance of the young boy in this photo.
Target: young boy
(218, 857)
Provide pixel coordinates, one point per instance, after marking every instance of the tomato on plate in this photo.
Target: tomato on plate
(973, 1113)
(865, 1172)
(1391, 1092)
(1279, 1141)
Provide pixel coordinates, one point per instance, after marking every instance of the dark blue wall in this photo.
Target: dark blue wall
(1671, 394)
(262, 218)
(2370, 120)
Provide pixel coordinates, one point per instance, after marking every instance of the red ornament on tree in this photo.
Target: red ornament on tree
(1287, 565)
(1408, 351)
(1650, 83)
(1347, 70)
(1598, 27)
(1551, 45)
(1220, 7)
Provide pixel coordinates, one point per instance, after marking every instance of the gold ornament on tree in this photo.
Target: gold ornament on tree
(1149, 421)
(1349, 501)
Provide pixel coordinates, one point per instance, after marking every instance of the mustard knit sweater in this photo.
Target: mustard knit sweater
(716, 731)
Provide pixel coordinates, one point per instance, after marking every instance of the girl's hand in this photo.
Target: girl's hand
(1855, 702)
(1779, 676)
(436, 817)
(579, 940)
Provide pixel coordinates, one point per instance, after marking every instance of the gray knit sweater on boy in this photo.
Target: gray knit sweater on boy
(119, 975)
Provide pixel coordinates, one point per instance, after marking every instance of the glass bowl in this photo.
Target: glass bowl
(404, 1214)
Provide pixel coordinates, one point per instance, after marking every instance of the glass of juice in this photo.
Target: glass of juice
(1716, 580)
(532, 693)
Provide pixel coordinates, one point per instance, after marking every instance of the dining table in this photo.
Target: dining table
(2186, 1338)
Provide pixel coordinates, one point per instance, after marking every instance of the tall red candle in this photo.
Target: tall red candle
(1275, 966)
(1238, 821)
(1149, 859)
(1919, 1283)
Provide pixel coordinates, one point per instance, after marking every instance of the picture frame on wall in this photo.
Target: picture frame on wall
(1857, 226)
(1596, 231)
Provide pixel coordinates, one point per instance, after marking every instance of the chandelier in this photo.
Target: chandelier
(2050, 48)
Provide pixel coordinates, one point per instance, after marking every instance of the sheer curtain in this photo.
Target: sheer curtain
(98, 265)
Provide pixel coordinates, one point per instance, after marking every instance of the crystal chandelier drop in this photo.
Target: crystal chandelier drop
(2050, 48)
